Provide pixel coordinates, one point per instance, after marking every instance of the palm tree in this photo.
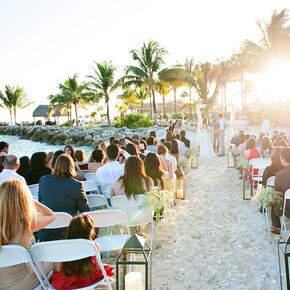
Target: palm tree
(102, 82)
(163, 88)
(14, 98)
(129, 98)
(149, 60)
(142, 95)
(61, 103)
(77, 94)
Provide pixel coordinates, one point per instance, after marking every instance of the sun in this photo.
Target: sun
(273, 86)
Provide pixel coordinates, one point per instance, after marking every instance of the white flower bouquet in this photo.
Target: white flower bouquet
(267, 197)
(182, 162)
(243, 163)
(189, 152)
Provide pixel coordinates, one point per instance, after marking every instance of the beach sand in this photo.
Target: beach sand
(214, 239)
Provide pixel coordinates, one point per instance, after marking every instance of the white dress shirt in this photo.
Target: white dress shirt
(266, 127)
(10, 174)
(174, 161)
(109, 173)
(182, 148)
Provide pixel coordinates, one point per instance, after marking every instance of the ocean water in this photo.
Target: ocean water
(23, 147)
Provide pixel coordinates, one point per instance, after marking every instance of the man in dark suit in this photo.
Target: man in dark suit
(184, 139)
(282, 184)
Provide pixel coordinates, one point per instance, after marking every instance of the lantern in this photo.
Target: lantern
(283, 256)
(194, 161)
(180, 187)
(247, 186)
(231, 159)
(133, 266)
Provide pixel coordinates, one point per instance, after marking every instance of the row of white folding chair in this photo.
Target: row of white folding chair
(258, 164)
(104, 189)
(97, 201)
(269, 183)
(137, 209)
(285, 220)
(34, 188)
(52, 252)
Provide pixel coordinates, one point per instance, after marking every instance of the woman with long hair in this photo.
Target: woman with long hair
(68, 149)
(175, 149)
(134, 181)
(55, 156)
(153, 169)
(84, 272)
(39, 167)
(25, 166)
(274, 167)
(20, 217)
(166, 164)
(132, 149)
(80, 156)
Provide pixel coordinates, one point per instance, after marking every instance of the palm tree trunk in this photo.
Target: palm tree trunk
(11, 116)
(76, 114)
(142, 104)
(151, 108)
(175, 102)
(190, 100)
(15, 115)
(242, 93)
(164, 109)
(154, 107)
(108, 112)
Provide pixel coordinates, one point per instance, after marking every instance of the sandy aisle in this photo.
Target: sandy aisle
(214, 239)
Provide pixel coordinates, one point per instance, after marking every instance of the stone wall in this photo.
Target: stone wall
(79, 136)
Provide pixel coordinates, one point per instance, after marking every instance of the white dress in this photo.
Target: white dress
(206, 149)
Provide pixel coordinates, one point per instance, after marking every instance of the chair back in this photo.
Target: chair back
(62, 220)
(85, 171)
(259, 163)
(65, 251)
(90, 186)
(91, 177)
(108, 218)
(138, 210)
(283, 222)
(106, 190)
(270, 182)
(34, 188)
(97, 200)
(12, 255)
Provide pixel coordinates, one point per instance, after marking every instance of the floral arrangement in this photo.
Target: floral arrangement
(160, 200)
(267, 197)
(243, 163)
(182, 162)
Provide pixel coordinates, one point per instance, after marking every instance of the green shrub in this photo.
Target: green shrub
(134, 121)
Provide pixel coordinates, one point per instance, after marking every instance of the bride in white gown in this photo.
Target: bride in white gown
(206, 149)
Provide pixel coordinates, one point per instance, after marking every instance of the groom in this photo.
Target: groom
(221, 134)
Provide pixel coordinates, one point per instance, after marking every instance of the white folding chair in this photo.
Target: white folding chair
(90, 186)
(258, 164)
(97, 200)
(65, 251)
(62, 220)
(285, 220)
(12, 255)
(85, 171)
(34, 188)
(91, 177)
(111, 218)
(138, 211)
(270, 182)
(106, 190)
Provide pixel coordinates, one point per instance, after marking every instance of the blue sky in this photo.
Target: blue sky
(45, 41)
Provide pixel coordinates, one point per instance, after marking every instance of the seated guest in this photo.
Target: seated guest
(39, 167)
(4, 147)
(153, 134)
(11, 165)
(280, 142)
(174, 149)
(25, 166)
(80, 157)
(80, 273)
(169, 156)
(112, 170)
(143, 145)
(181, 145)
(153, 169)
(55, 156)
(166, 164)
(266, 146)
(282, 184)
(103, 146)
(60, 191)
(68, 149)
(134, 181)
(137, 144)
(20, 217)
(96, 161)
(274, 167)
(184, 139)
(251, 150)
(132, 149)
(123, 143)
(169, 136)
(242, 146)
(151, 144)
(111, 140)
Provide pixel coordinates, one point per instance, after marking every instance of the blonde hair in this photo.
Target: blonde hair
(17, 213)
(64, 167)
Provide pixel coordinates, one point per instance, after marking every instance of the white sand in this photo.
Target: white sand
(214, 239)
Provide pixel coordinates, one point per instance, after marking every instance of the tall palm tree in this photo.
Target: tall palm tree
(102, 82)
(77, 94)
(14, 98)
(142, 95)
(163, 88)
(129, 98)
(61, 103)
(149, 60)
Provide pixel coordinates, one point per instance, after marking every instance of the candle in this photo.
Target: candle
(134, 281)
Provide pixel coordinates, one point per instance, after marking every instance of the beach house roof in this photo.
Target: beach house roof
(42, 111)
